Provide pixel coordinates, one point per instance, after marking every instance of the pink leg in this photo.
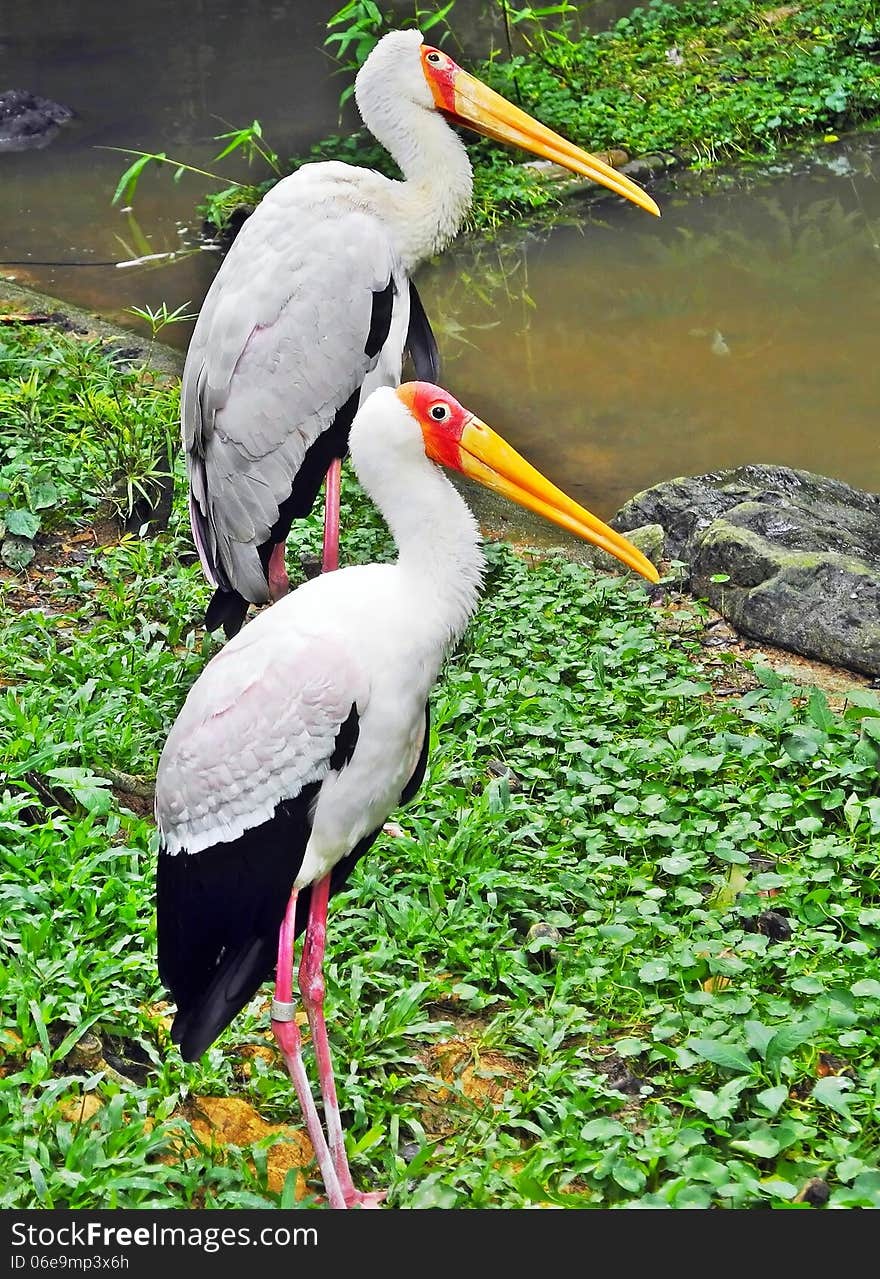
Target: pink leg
(289, 1040)
(279, 582)
(311, 984)
(331, 517)
(311, 976)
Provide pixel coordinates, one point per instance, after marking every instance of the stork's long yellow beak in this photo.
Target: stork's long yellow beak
(481, 108)
(486, 457)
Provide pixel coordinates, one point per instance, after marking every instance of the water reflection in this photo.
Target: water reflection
(741, 328)
(168, 78)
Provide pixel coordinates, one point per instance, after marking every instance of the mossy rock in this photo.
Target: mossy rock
(28, 121)
(800, 552)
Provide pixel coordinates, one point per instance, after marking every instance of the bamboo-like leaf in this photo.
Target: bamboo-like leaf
(127, 184)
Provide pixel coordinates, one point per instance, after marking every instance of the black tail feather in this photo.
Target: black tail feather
(203, 1013)
(237, 981)
(227, 609)
(243, 970)
(219, 912)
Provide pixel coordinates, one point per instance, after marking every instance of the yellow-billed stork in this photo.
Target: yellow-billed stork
(310, 727)
(313, 308)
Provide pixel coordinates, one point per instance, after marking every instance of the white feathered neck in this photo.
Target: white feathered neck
(440, 559)
(429, 207)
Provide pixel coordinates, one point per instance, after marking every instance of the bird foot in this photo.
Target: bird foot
(365, 1198)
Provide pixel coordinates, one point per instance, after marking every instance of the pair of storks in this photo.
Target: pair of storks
(311, 725)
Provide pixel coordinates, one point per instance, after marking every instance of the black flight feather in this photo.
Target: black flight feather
(410, 790)
(420, 340)
(380, 319)
(227, 609)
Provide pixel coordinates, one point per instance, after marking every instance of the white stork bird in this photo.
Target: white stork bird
(311, 726)
(313, 308)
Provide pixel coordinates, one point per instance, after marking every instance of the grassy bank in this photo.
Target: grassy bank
(707, 80)
(695, 1024)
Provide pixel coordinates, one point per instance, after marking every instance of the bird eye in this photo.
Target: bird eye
(435, 58)
(440, 412)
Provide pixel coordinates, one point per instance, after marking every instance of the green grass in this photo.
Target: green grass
(707, 80)
(81, 424)
(659, 1049)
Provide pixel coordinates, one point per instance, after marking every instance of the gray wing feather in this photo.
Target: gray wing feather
(259, 724)
(277, 350)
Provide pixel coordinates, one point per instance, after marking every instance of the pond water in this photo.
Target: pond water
(617, 351)
(741, 327)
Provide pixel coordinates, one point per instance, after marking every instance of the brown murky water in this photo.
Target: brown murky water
(742, 327)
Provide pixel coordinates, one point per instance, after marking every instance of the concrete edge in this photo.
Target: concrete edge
(162, 357)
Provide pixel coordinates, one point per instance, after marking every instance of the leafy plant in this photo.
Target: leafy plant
(81, 428)
(220, 205)
(705, 81)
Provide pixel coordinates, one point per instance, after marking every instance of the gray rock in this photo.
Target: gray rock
(801, 552)
(28, 121)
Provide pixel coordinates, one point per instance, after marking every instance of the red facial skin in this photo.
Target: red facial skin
(442, 438)
(440, 77)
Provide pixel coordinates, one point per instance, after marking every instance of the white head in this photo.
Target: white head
(386, 444)
(393, 73)
(399, 432)
(400, 104)
(405, 84)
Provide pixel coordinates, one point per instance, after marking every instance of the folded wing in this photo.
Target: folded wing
(309, 310)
